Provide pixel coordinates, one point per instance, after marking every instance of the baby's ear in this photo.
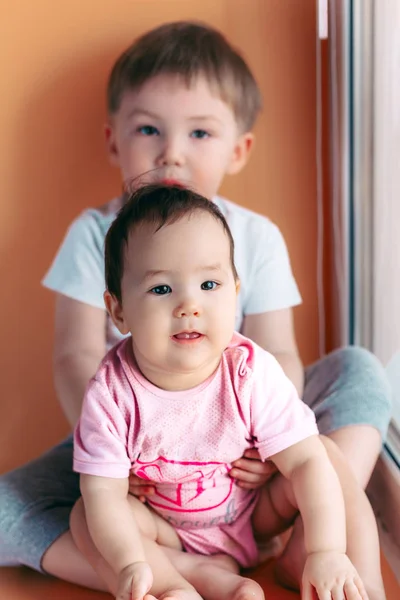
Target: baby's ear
(114, 309)
(241, 152)
(237, 286)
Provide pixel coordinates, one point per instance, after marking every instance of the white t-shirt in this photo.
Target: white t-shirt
(261, 259)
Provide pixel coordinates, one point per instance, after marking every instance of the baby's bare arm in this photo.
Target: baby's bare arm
(317, 493)
(111, 522)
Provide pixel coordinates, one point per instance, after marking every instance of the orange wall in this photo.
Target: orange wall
(54, 60)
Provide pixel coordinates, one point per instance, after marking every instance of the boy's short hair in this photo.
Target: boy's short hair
(157, 205)
(188, 49)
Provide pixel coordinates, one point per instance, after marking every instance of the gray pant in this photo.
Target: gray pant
(348, 387)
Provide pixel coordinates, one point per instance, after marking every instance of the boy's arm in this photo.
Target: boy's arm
(79, 347)
(274, 331)
(317, 493)
(111, 522)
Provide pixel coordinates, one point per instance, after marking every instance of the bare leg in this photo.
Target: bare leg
(361, 446)
(214, 580)
(362, 535)
(167, 583)
(64, 561)
(174, 571)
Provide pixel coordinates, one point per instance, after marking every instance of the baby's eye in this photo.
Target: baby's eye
(200, 134)
(209, 285)
(161, 290)
(148, 130)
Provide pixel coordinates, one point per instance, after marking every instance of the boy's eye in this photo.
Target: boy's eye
(209, 285)
(148, 130)
(200, 134)
(161, 290)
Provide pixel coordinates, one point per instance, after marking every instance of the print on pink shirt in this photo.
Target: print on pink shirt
(205, 487)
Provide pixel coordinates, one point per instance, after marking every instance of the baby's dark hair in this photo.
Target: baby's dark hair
(157, 205)
(188, 49)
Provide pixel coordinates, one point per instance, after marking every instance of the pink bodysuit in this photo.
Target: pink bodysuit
(185, 441)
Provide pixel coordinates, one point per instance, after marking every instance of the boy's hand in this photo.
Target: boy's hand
(134, 582)
(331, 575)
(141, 488)
(250, 472)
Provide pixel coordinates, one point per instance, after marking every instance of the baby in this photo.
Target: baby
(179, 400)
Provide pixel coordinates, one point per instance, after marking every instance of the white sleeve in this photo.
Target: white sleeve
(78, 268)
(271, 284)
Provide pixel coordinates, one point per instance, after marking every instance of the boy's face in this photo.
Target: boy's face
(167, 132)
(178, 300)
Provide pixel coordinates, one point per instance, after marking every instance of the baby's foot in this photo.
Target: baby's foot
(180, 592)
(220, 581)
(243, 589)
(215, 577)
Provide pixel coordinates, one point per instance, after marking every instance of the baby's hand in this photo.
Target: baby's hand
(141, 488)
(134, 582)
(332, 575)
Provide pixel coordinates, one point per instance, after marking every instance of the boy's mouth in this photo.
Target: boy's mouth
(171, 182)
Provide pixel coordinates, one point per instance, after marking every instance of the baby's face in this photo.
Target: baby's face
(179, 299)
(168, 132)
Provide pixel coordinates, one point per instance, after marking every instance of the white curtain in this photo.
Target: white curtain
(371, 198)
(386, 212)
(376, 185)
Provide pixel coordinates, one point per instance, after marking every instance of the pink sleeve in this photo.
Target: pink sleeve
(279, 418)
(100, 438)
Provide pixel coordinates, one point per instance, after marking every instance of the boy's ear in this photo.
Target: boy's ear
(111, 144)
(114, 309)
(241, 152)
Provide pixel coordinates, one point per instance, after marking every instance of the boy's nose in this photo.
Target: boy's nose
(171, 154)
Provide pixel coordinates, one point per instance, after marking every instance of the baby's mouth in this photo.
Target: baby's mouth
(188, 335)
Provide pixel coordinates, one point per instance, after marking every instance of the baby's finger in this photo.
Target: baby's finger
(323, 594)
(337, 593)
(350, 591)
(307, 591)
(357, 581)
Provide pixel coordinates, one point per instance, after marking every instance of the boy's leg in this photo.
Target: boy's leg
(362, 534)
(351, 397)
(35, 502)
(214, 577)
